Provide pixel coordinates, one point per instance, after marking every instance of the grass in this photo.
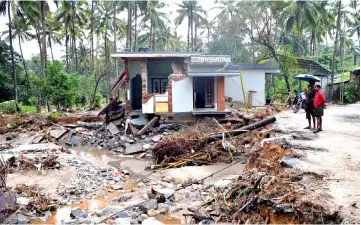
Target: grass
(27, 108)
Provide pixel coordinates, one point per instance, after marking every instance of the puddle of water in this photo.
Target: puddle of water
(167, 219)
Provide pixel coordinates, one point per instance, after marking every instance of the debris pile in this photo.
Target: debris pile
(23, 162)
(22, 123)
(270, 192)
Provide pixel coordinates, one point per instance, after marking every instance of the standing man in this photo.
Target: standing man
(309, 108)
(320, 105)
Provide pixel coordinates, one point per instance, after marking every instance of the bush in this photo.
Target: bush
(351, 92)
(98, 98)
(53, 116)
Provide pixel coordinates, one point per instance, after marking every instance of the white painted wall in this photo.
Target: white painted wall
(182, 95)
(148, 107)
(253, 80)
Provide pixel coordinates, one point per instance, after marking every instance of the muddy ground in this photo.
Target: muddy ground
(338, 154)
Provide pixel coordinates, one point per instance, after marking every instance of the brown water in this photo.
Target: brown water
(99, 157)
(167, 219)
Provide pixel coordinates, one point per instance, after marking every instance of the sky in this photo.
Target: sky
(31, 48)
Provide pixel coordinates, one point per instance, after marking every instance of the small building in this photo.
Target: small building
(182, 85)
(254, 81)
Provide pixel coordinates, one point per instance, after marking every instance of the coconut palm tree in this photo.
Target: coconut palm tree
(5, 7)
(21, 30)
(72, 15)
(301, 14)
(196, 17)
(53, 33)
(154, 18)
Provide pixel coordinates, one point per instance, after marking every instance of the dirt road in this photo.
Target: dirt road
(334, 152)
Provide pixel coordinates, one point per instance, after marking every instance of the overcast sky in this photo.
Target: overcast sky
(31, 48)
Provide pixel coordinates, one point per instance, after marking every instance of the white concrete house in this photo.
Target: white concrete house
(254, 80)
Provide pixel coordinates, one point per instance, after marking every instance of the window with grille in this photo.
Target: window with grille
(159, 85)
(209, 91)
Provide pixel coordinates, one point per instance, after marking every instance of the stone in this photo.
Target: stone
(78, 214)
(152, 212)
(151, 204)
(151, 221)
(112, 128)
(222, 184)
(57, 133)
(167, 192)
(22, 219)
(109, 211)
(122, 215)
(134, 148)
(22, 201)
(123, 221)
(146, 146)
(143, 136)
(156, 138)
(123, 138)
(131, 141)
(118, 186)
(142, 217)
(163, 208)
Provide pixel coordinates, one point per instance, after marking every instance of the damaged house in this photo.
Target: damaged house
(181, 85)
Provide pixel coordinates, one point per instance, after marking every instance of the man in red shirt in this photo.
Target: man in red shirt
(320, 105)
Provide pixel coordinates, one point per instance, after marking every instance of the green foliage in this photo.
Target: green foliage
(27, 108)
(53, 116)
(8, 107)
(352, 92)
(15, 124)
(98, 98)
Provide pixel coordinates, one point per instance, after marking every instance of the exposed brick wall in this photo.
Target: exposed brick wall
(220, 94)
(145, 98)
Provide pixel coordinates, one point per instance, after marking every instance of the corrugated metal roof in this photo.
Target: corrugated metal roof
(220, 74)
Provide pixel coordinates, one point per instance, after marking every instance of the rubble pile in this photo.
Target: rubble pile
(32, 199)
(271, 192)
(23, 163)
(192, 146)
(22, 123)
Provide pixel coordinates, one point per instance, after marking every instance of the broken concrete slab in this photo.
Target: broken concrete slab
(131, 149)
(140, 121)
(90, 125)
(37, 139)
(34, 147)
(57, 133)
(149, 125)
(113, 128)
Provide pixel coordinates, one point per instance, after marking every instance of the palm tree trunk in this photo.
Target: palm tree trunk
(151, 34)
(22, 56)
(67, 48)
(130, 29)
(335, 50)
(127, 44)
(107, 63)
(92, 37)
(135, 28)
(299, 46)
(115, 35)
(44, 46)
(195, 30)
(12, 55)
(189, 27)
(51, 50)
(252, 43)
(192, 40)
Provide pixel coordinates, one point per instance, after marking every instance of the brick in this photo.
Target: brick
(220, 94)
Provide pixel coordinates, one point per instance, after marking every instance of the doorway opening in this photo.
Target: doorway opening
(136, 84)
(203, 88)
